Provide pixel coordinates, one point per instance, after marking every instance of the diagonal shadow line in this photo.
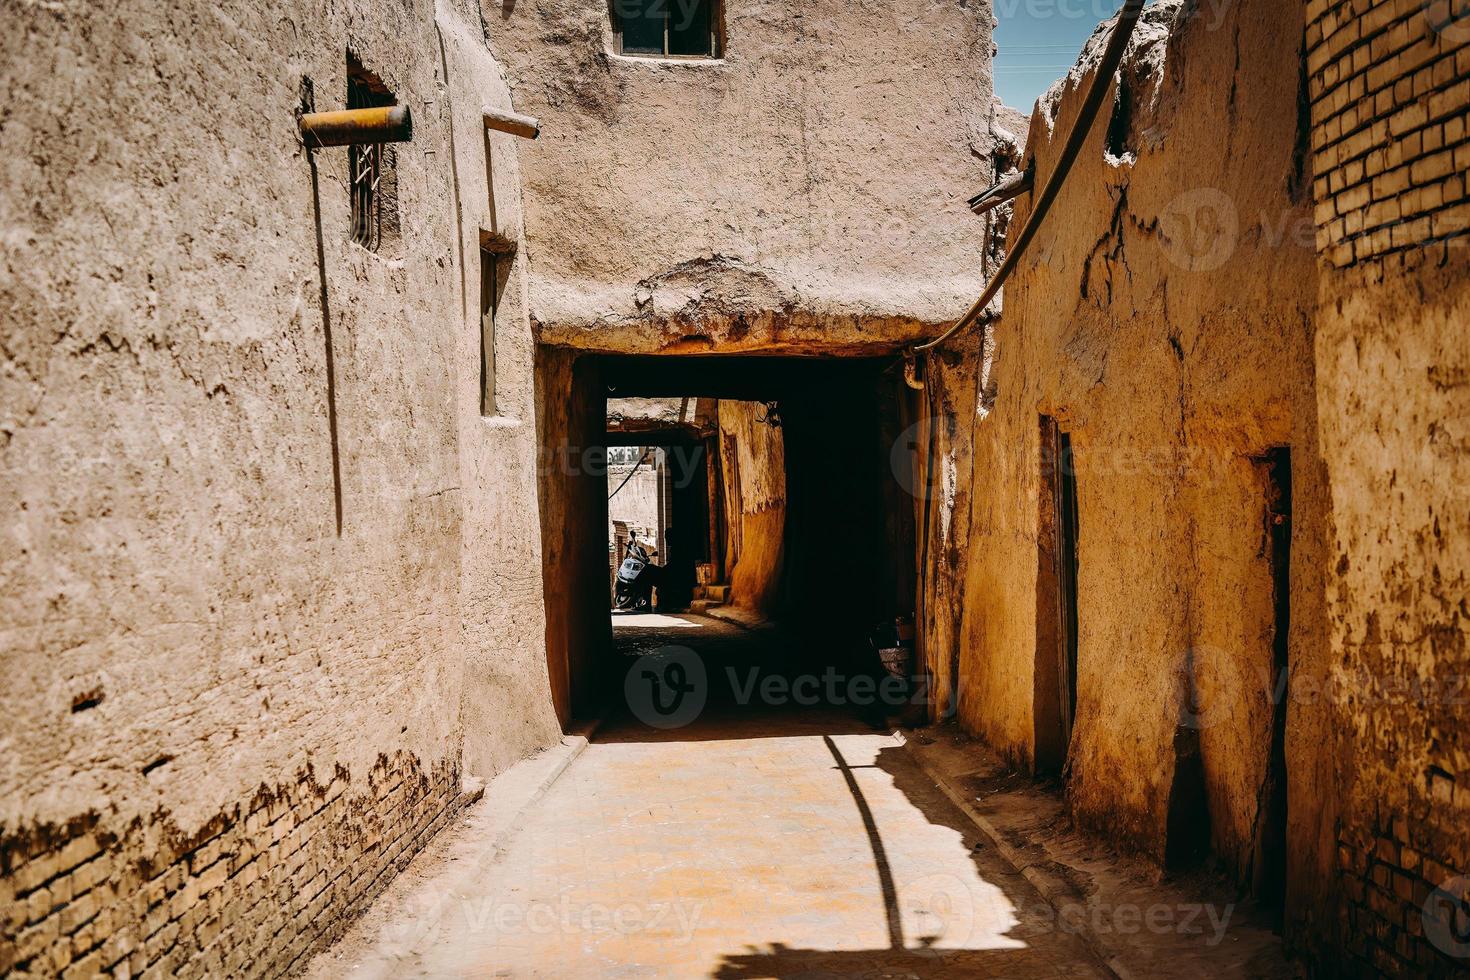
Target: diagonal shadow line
(880, 855)
(321, 264)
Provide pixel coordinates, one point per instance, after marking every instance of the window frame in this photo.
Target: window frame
(716, 33)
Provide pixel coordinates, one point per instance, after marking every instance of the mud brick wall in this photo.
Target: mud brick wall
(268, 581)
(1169, 405)
(1390, 83)
(252, 893)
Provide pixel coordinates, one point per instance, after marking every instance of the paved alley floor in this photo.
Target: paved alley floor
(755, 840)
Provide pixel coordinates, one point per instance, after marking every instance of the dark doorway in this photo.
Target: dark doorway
(1056, 597)
(1268, 874)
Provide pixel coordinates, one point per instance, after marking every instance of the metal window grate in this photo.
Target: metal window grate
(367, 204)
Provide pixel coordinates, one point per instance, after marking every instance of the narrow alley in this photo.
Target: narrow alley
(735, 489)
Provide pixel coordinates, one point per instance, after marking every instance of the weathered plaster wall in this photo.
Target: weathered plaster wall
(806, 189)
(636, 503)
(207, 682)
(933, 463)
(1163, 317)
(1393, 366)
(1393, 362)
(753, 459)
(571, 430)
(507, 712)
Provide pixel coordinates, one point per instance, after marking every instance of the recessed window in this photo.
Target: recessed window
(667, 28)
(372, 170)
(496, 256)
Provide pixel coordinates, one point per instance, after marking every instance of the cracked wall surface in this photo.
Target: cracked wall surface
(1261, 247)
(1163, 317)
(184, 629)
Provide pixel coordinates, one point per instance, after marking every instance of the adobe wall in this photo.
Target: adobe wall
(226, 724)
(637, 500)
(507, 711)
(933, 465)
(806, 191)
(932, 458)
(571, 431)
(1390, 101)
(1163, 317)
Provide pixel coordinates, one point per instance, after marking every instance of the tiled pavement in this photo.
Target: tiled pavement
(748, 844)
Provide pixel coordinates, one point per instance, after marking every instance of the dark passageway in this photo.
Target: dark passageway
(830, 559)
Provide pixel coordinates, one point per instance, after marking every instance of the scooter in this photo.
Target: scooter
(637, 579)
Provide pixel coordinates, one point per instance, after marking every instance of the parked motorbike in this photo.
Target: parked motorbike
(637, 578)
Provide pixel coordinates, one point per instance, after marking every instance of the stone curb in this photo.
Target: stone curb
(1055, 890)
(575, 744)
(724, 615)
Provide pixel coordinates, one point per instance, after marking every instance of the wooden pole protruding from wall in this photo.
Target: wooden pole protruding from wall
(509, 122)
(359, 127)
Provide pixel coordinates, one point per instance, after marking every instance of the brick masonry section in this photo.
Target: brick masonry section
(1388, 878)
(1390, 87)
(252, 893)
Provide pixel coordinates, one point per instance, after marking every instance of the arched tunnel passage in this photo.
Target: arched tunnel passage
(827, 551)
